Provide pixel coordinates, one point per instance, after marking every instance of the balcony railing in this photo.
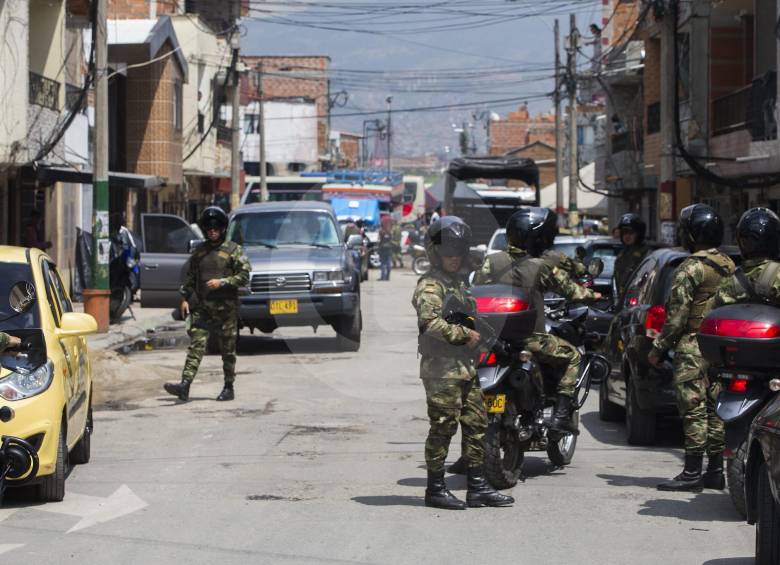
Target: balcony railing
(751, 107)
(44, 92)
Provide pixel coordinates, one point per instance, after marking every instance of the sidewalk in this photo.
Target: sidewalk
(131, 330)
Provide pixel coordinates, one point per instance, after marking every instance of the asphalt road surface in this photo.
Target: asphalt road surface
(320, 460)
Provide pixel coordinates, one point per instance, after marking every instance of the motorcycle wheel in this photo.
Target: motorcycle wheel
(119, 302)
(735, 477)
(421, 265)
(503, 460)
(561, 452)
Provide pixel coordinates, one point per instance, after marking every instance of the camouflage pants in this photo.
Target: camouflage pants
(696, 400)
(453, 401)
(560, 355)
(207, 318)
(398, 259)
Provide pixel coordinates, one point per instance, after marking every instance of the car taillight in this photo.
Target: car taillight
(487, 359)
(738, 385)
(500, 305)
(739, 328)
(655, 320)
(633, 301)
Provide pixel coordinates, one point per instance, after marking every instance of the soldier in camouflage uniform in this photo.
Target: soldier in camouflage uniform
(448, 369)
(700, 231)
(632, 234)
(574, 268)
(216, 271)
(8, 342)
(530, 231)
(398, 260)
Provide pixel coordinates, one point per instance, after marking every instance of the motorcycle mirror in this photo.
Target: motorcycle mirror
(193, 243)
(595, 267)
(21, 297)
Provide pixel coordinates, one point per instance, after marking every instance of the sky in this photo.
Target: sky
(509, 59)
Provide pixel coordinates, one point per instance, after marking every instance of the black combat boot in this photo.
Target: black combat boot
(713, 478)
(227, 393)
(480, 493)
(690, 479)
(182, 389)
(561, 420)
(437, 495)
(459, 467)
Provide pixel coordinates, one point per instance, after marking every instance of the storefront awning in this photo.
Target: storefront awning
(49, 175)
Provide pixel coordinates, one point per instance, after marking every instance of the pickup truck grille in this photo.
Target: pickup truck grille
(281, 282)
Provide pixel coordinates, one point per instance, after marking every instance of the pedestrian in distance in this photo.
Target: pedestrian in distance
(694, 283)
(398, 260)
(448, 370)
(385, 248)
(631, 229)
(33, 232)
(216, 270)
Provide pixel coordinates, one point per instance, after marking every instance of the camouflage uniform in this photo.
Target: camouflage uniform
(573, 267)
(448, 371)
(398, 260)
(548, 349)
(216, 311)
(4, 340)
(626, 262)
(695, 282)
(731, 290)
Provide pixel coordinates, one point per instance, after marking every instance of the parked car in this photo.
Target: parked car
(303, 273)
(498, 242)
(635, 390)
(49, 386)
(762, 482)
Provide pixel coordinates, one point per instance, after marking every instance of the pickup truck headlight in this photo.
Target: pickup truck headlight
(328, 276)
(20, 385)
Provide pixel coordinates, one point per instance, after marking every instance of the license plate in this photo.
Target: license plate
(495, 403)
(283, 307)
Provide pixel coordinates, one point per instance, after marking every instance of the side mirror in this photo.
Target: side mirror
(76, 324)
(595, 267)
(193, 244)
(355, 241)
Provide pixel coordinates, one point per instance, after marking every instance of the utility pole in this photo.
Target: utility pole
(235, 153)
(666, 188)
(558, 133)
(574, 177)
(261, 133)
(389, 101)
(97, 298)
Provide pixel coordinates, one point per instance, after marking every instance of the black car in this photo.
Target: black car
(635, 389)
(762, 482)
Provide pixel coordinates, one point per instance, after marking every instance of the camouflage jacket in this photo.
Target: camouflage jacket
(731, 290)
(551, 278)
(4, 339)
(573, 267)
(428, 300)
(687, 279)
(627, 260)
(239, 267)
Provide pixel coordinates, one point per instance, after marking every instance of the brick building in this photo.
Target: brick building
(520, 129)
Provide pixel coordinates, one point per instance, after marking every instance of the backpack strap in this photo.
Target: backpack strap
(742, 280)
(720, 269)
(767, 278)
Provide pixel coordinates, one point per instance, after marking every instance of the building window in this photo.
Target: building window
(654, 118)
(201, 122)
(177, 106)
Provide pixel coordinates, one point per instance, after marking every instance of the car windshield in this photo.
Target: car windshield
(499, 242)
(10, 274)
(284, 228)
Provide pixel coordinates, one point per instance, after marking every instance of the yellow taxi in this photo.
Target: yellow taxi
(48, 382)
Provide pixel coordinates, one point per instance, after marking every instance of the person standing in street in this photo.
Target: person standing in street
(448, 370)
(217, 269)
(33, 232)
(700, 231)
(385, 247)
(632, 230)
(398, 260)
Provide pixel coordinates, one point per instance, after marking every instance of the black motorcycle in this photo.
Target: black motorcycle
(519, 400)
(741, 342)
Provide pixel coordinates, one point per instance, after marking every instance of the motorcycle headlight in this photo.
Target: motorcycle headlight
(24, 384)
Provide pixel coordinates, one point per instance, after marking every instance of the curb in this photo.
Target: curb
(129, 333)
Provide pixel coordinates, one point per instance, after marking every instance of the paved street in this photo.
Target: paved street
(320, 459)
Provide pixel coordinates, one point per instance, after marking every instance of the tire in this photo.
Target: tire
(119, 302)
(735, 478)
(608, 410)
(421, 265)
(349, 329)
(640, 424)
(503, 463)
(562, 451)
(52, 487)
(768, 524)
(81, 453)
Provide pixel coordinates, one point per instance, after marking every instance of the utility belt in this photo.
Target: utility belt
(225, 293)
(429, 346)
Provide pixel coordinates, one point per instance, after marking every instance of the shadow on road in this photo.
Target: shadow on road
(627, 481)
(668, 434)
(266, 345)
(731, 561)
(390, 500)
(704, 507)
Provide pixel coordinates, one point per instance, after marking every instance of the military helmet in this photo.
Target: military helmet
(699, 226)
(532, 229)
(213, 217)
(448, 237)
(634, 223)
(758, 234)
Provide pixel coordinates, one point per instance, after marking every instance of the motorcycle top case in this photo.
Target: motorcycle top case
(745, 336)
(509, 310)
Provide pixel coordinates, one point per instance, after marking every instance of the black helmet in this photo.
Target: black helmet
(699, 226)
(758, 234)
(634, 223)
(532, 229)
(446, 237)
(213, 217)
